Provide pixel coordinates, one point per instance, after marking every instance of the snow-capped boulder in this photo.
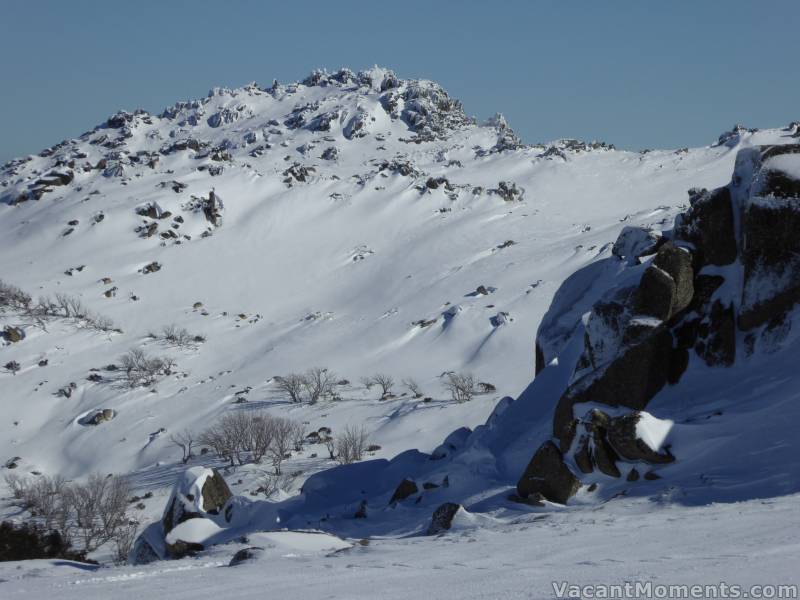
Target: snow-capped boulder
(635, 242)
(197, 493)
(639, 436)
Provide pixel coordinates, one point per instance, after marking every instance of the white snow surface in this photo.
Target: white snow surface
(336, 272)
(652, 431)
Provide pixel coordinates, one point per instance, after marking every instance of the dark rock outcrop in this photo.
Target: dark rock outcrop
(405, 488)
(622, 436)
(442, 518)
(245, 555)
(548, 475)
(770, 244)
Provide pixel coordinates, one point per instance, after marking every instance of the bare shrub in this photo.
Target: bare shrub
(261, 433)
(141, 369)
(12, 297)
(299, 436)
(230, 437)
(383, 381)
(16, 485)
(124, 540)
(351, 445)
(240, 437)
(64, 306)
(86, 515)
(71, 307)
(319, 384)
(284, 432)
(180, 336)
(270, 484)
(461, 386)
(413, 387)
(330, 444)
(292, 385)
(184, 440)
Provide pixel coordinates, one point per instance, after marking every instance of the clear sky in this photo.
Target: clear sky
(638, 74)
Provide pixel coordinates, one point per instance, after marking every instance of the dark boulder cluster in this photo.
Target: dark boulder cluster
(640, 338)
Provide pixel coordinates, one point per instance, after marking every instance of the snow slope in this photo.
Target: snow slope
(333, 262)
(745, 544)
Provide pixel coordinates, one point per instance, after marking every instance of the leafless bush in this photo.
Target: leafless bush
(270, 484)
(141, 369)
(86, 515)
(70, 307)
(124, 539)
(319, 384)
(180, 336)
(383, 381)
(461, 386)
(97, 509)
(351, 445)
(16, 484)
(261, 434)
(284, 433)
(413, 387)
(330, 444)
(240, 437)
(299, 437)
(229, 437)
(292, 385)
(183, 440)
(12, 297)
(99, 322)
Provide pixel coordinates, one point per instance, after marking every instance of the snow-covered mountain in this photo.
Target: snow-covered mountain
(364, 224)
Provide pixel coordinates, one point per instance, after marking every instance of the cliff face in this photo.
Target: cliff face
(718, 287)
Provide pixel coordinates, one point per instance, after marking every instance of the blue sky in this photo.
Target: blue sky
(638, 74)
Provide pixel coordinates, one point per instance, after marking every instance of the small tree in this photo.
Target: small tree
(413, 387)
(141, 369)
(292, 385)
(330, 444)
(319, 384)
(178, 336)
(282, 441)
(184, 440)
(383, 381)
(461, 386)
(261, 433)
(351, 445)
